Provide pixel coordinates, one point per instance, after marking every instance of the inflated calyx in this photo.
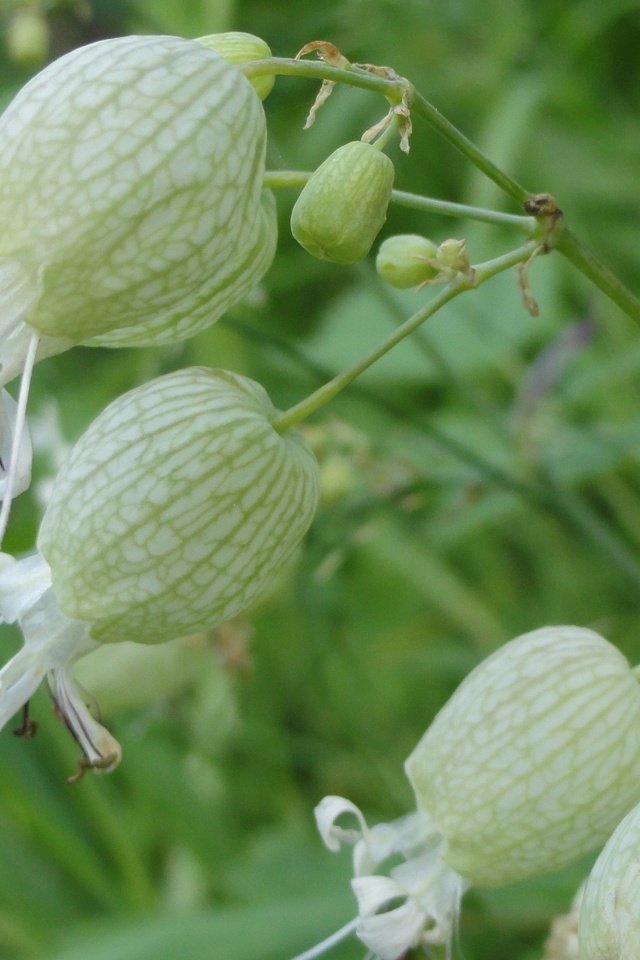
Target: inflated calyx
(174, 512)
(531, 763)
(131, 174)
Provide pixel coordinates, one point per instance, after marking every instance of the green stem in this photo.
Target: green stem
(395, 91)
(457, 139)
(588, 264)
(399, 90)
(319, 70)
(283, 179)
(458, 285)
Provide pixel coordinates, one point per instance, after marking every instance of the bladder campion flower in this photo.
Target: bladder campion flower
(610, 909)
(173, 513)
(531, 763)
(131, 174)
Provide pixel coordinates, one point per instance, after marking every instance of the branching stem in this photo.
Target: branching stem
(461, 283)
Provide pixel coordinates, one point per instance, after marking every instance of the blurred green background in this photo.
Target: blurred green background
(480, 482)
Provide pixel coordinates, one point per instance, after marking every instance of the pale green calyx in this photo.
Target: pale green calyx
(609, 926)
(531, 763)
(176, 508)
(406, 259)
(131, 174)
(535, 758)
(238, 47)
(343, 205)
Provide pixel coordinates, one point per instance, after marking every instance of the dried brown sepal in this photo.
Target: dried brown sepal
(103, 765)
(530, 302)
(326, 89)
(28, 727)
(388, 73)
(399, 114)
(326, 51)
(544, 207)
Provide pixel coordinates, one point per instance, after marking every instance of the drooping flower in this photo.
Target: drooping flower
(531, 763)
(174, 512)
(609, 927)
(131, 174)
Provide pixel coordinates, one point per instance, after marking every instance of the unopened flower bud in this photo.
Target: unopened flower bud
(238, 47)
(610, 910)
(176, 508)
(131, 174)
(343, 206)
(406, 260)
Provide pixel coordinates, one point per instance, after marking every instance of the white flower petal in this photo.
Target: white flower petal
(101, 750)
(327, 812)
(22, 584)
(19, 680)
(389, 935)
(375, 892)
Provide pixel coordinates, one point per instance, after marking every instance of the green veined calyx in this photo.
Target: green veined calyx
(609, 926)
(174, 512)
(531, 763)
(131, 173)
(176, 507)
(238, 47)
(343, 206)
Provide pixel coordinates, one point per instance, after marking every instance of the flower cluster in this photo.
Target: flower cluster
(532, 762)
(132, 175)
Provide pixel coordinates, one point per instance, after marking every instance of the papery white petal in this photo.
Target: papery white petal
(375, 892)
(407, 835)
(390, 935)
(327, 812)
(437, 889)
(101, 750)
(22, 584)
(19, 680)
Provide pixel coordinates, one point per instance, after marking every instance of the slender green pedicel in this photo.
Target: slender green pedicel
(176, 508)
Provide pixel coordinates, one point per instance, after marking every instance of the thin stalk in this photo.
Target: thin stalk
(460, 284)
(395, 90)
(600, 275)
(319, 70)
(457, 139)
(283, 179)
(330, 942)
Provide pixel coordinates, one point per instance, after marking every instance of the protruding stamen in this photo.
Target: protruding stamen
(18, 430)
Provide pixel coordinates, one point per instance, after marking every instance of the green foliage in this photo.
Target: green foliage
(479, 482)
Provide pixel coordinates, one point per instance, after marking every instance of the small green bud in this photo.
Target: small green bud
(343, 206)
(238, 47)
(610, 908)
(535, 758)
(131, 173)
(406, 260)
(176, 508)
